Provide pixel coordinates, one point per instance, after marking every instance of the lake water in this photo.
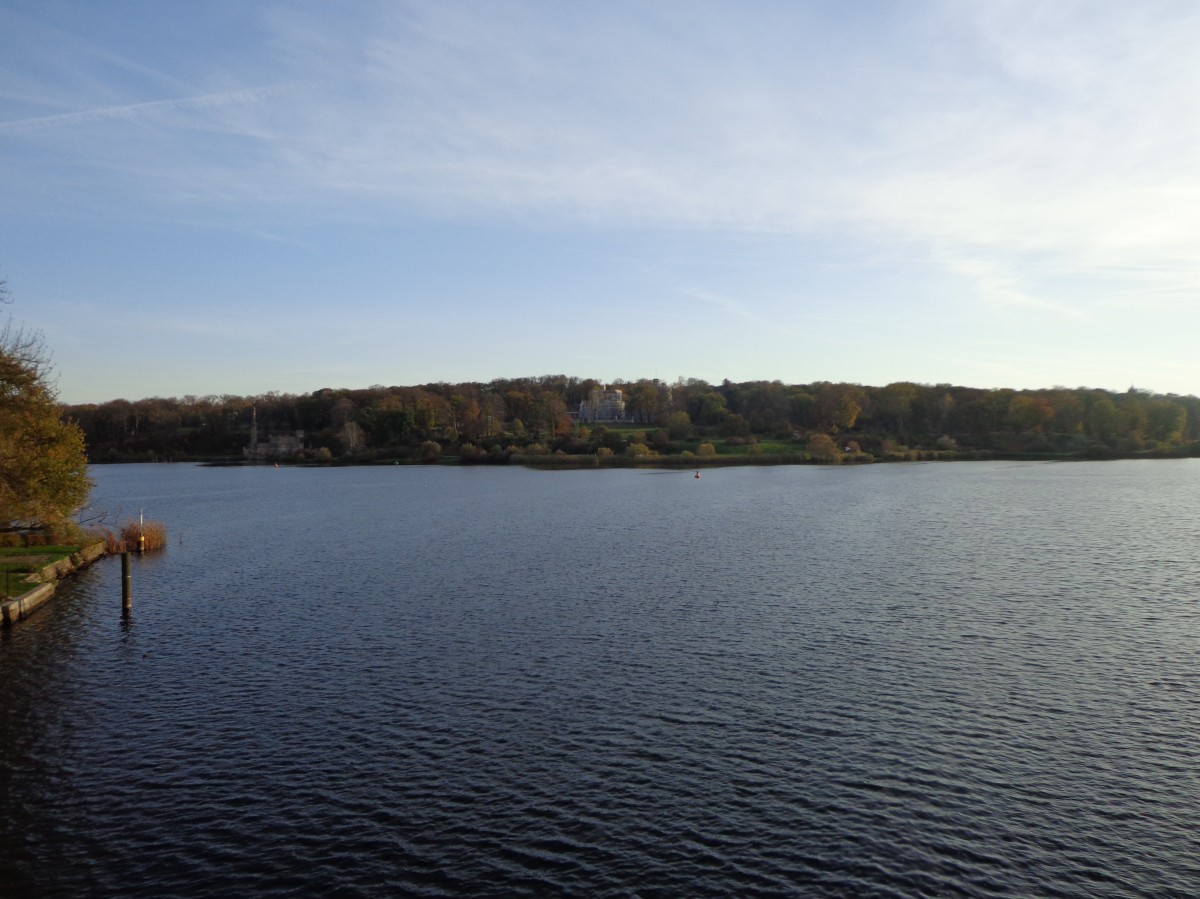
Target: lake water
(974, 679)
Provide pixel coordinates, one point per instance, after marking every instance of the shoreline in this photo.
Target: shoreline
(563, 461)
(20, 607)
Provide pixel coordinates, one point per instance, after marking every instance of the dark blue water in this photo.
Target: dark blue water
(909, 680)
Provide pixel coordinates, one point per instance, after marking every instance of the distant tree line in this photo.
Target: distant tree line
(537, 416)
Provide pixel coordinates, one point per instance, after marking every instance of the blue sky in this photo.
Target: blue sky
(232, 197)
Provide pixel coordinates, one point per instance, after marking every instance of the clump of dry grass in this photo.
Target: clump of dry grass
(153, 532)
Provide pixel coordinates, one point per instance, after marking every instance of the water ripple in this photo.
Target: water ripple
(902, 681)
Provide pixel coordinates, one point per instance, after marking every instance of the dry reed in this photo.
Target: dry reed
(153, 532)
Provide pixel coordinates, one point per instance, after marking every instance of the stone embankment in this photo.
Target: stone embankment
(13, 610)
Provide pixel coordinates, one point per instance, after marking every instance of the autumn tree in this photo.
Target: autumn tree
(467, 418)
(551, 415)
(519, 405)
(43, 464)
(1028, 412)
(492, 414)
(822, 448)
(838, 405)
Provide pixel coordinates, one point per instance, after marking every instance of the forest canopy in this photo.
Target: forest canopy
(542, 416)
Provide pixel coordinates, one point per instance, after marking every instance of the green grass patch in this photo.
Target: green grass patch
(60, 551)
(18, 561)
(725, 448)
(780, 446)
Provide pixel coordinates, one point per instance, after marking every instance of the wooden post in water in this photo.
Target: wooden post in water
(126, 585)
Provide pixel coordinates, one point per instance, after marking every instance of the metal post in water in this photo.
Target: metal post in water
(126, 585)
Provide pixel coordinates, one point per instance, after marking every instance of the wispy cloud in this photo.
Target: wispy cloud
(1010, 145)
(1065, 132)
(147, 109)
(723, 303)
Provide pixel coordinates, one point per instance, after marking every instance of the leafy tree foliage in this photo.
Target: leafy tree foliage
(1030, 413)
(822, 448)
(43, 467)
(679, 426)
(707, 408)
(506, 416)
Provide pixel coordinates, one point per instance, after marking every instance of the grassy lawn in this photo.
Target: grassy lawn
(18, 561)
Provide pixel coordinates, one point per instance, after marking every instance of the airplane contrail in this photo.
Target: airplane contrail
(135, 110)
